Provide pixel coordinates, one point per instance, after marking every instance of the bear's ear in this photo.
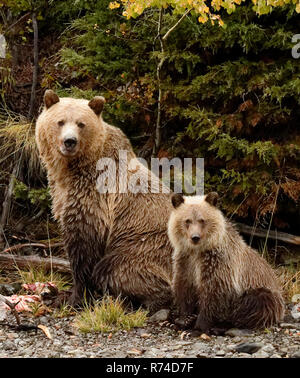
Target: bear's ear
(177, 200)
(96, 104)
(212, 198)
(50, 98)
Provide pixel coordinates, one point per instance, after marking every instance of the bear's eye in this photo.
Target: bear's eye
(188, 222)
(80, 124)
(201, 221)
(61, 123)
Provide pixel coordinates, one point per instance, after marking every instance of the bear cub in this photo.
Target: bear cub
(216, 275)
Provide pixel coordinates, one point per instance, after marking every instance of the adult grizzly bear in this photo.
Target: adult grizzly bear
(216, 274)
(116, 242)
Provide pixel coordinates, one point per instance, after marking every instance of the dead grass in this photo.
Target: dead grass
(290, 280)
(17, 138)
(108, 315)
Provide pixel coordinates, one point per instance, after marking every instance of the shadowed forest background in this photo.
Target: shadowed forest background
(229, 94)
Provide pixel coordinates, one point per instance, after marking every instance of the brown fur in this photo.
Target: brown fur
(116, 242)
(220, 277)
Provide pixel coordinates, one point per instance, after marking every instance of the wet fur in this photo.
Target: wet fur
(221, 279)
(116, 242)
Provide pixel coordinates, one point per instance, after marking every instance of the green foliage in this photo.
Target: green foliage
(230, 94)
(38, 197)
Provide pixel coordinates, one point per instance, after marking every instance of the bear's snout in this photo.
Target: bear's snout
(70, 143)
(196, 238)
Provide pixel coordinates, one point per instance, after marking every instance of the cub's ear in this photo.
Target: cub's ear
(212, 198)
(177, 200)
(96, 104)
(50, 98)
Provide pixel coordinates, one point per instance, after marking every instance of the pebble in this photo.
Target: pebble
(8, 345)
(164, 342)
(290, 325)
(275, 355)
(268, 348)
(160, 316)
(261, 354)
(238, 332)
(249, 348)
(202, 355)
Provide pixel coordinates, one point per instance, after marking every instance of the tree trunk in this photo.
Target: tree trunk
(157, 139)
(35, 66)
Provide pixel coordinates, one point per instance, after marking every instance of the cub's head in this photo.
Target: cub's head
(196, 222)
(69, 127)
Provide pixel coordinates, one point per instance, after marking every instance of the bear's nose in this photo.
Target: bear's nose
(70, 143)
(195, 238)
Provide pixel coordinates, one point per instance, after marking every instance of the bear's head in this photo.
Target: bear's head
(68, 128)
(196, 222)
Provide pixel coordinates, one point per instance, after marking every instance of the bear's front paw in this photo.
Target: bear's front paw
(203, 325)
(185, 321)
(75, 300)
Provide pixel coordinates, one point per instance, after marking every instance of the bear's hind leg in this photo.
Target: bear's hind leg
(117, 275)
(257, 309)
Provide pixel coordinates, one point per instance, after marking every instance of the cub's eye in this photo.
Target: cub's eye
(188, 222)
(201, 221)
(61, 123)
(81, 125)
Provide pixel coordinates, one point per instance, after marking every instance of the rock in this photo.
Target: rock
(220, 353)
(202, 355)
(268, 348)
(205, 337)
(296, 355)
(296, 312)
(177, 347)
(290, 325)
(183, 343)
(296, 298)
(275, 355)
(8, 345)
(261, 354)
(200, 347)
(238, 332)
(249, 348)
(243, 355)
(160, 316)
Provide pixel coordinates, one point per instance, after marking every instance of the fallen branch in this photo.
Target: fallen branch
(274, 235)
(10, 262)
(37, 245)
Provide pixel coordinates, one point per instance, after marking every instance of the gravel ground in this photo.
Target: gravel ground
(154, 340)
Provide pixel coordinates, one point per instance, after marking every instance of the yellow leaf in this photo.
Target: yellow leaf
(202, 19)
(114, 5)
(45, 330)
(298, 8)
